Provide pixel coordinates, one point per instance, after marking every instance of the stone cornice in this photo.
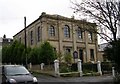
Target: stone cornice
(58, 17)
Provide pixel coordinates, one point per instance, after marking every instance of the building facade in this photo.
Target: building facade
(64, 34)
(6, 41)
(101, 54)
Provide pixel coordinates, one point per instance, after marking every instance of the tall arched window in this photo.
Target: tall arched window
(51, 31)
(79, 33)
(66, 31)
(90, 36)
(38, 34)
(31, 37)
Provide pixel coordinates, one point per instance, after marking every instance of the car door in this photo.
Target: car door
(3, 75)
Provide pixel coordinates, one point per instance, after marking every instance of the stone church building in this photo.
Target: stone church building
(64, 34)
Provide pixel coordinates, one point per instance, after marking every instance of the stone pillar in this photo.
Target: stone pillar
(79, 67)
(87, 57)
(74, 38)
(113, 71)
(99, 67)
(56, 66)
(42, 66)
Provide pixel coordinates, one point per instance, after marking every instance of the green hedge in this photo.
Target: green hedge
(89, 67)
(107, 67)
(64, 67)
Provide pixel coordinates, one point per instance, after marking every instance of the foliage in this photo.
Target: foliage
(60, 57)
(4, 54)
(16, 54)
(117, 79)
(47, 53)
(113, 51)
(68, 58)
(89, 67)
(13, 53)
(104, 12)
(33, 56)
(66, 66)
(106, 67)
(74, 67)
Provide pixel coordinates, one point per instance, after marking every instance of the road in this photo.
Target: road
(42, 79)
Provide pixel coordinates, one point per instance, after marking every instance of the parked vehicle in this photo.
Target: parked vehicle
(17, 74)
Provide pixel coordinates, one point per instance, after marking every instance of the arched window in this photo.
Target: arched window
(51, 31)
(90, 36)
(38, 33)
(79, 33)
(20, 39)
(31, 37)
(66, 31)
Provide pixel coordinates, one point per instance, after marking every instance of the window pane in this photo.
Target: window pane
(66, 31)
(92, 54)
(68, 50)
(90, 35)
(38, 32)
(20, 39)
(51, 31)
(79, 32)
(31, 36)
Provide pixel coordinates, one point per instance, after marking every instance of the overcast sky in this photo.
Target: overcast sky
(12, 13)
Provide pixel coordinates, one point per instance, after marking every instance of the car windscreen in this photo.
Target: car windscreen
(16, 70)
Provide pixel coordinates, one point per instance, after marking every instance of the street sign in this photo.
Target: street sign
(75, 54)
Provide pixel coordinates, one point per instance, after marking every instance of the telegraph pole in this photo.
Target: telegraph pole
(25, 42)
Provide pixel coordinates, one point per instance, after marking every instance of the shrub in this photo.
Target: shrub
(64, 68)
(89, 67)
(74, 67)
(117, 79)
(107, 67)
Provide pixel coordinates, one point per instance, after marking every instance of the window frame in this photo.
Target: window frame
(51, 31)
(92, 54)
(31, 37)
(38, 33)
(79, 33)
(66, 31)
(90, 36)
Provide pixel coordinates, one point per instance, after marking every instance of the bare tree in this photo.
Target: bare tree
(106, 13)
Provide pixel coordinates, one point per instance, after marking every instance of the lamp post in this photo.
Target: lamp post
(25, 43)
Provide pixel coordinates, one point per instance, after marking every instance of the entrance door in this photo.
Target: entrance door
(81, 54)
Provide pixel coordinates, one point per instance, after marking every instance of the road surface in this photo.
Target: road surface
(42, 79)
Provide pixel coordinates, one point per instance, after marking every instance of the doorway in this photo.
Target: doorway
(81, 54)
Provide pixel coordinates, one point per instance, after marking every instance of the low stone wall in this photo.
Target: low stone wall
(38, 67)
